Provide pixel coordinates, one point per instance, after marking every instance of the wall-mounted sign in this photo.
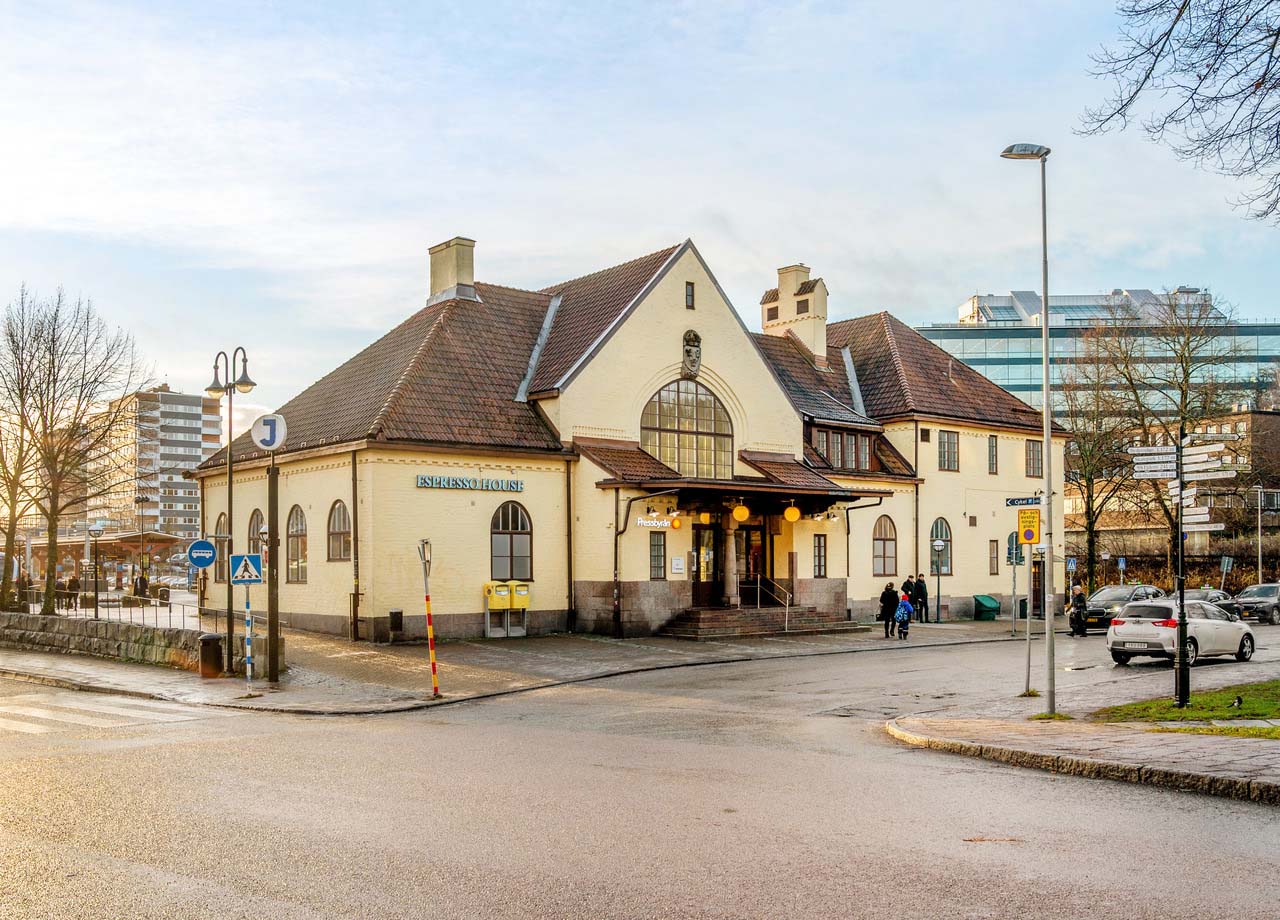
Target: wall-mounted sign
(477, 485)
(653, 522)
(677, 565)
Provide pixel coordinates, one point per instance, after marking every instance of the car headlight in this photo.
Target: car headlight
(1115, 608)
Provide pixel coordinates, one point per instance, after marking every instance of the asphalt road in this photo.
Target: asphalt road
(763, 789)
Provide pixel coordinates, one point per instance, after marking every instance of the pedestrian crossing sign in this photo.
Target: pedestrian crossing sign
(246, 569)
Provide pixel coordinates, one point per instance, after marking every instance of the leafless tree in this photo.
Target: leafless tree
(1211, 71)
(1171, 364)
(80, 368)
(1097, 464)
(16, 448)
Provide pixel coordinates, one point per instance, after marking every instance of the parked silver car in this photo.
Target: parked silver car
(1150, 629)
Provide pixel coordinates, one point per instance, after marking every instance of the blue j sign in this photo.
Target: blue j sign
(202, 553)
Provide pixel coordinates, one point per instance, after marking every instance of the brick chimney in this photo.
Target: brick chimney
(799, 309)
(453, 265)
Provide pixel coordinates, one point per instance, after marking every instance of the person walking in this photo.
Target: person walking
(73, 592)
(888, 607)
(59, 594)
(909, 589)
(903, 616)
(920, 599)
(1079, 611)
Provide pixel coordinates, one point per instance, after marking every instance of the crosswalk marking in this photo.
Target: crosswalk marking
(28, 727)
(116, 710)
(55, 716)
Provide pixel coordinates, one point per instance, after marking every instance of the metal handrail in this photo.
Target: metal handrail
(760, 581)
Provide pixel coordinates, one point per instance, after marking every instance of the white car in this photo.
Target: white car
(1150, 628)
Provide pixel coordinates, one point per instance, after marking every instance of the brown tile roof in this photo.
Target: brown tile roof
(625, 460)
(432, 379)
(902, 373)
(770, 296)
(588, 305)
(821, 393)
(785, 470)
(807, 287)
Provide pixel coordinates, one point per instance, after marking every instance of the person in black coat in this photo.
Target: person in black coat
(920, 599)
(888, 606)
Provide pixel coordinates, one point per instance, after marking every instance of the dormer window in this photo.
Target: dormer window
(844, 450)
(688, 295)
(802, 306)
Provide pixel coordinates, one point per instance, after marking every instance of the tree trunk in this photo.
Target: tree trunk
(48, 608)
(1090, 538)
(10, 546)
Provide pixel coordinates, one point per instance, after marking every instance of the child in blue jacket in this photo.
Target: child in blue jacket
(902, 616)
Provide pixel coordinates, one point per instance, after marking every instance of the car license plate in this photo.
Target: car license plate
(1135, 645)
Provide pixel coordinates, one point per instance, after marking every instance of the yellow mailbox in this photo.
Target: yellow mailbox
(519, 595)
(518, 623)
(497, 608)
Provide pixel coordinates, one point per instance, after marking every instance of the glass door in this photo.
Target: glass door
(707, 574)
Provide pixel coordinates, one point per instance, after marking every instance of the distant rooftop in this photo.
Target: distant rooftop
(1023, 307)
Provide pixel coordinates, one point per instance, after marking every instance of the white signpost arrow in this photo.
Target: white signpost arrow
(1205, 477)
(1166, 449)
(1202, 528)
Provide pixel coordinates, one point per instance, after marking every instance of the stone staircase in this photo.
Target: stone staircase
(703, 623)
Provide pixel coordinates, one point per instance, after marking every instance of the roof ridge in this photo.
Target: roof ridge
(550, 289)
(401, 384)
(892, 341)
(510, 287)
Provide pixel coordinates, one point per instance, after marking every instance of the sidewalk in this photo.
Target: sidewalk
(330, 676)
(1135, 752)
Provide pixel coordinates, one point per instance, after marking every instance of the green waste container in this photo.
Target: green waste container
(985, 607)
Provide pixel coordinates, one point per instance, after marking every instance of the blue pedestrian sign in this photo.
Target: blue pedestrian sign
(202, 553)
(1071, 563)
(1120, 563)
(246, 569)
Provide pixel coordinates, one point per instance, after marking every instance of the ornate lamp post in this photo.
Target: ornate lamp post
(94, 532)
(938, 547)
(243, 384)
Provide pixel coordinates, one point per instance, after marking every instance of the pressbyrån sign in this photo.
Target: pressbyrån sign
(477, 485)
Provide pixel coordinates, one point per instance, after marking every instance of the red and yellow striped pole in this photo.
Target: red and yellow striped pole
(424, 553)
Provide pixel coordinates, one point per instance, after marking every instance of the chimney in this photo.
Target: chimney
(453, 265)
(800, 311)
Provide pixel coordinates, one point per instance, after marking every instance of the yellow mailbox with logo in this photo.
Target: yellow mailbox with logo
(497, 608)
(520, 603)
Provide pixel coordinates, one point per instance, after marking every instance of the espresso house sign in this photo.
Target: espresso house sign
(472, 484)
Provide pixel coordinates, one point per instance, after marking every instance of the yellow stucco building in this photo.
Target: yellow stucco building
(624, 444)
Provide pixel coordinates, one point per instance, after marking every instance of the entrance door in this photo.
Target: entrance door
(749, 545)
(708, 568)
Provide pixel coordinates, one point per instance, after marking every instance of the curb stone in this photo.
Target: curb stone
(1259, 791)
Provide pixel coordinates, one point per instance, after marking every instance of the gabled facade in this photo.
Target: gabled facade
(621, 442)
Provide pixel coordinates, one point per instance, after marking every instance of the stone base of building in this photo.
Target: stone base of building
(646, 605)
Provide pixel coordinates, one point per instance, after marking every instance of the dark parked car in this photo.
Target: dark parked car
(1261, 603)
(1108, 601)
(1214, 596)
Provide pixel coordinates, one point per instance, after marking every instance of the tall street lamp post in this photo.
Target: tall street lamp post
(1041, 153)
(216, 389)
(94, 532)
(938, 547)
(1260, 578)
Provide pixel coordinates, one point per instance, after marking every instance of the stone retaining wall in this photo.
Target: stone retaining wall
(175, 648)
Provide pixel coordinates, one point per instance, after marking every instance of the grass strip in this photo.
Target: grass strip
(1258, 701)
(1231, 731)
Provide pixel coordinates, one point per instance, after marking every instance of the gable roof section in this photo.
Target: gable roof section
(589, 308)
(785, 470)
(902, 373)
(624, 459)
(429, 380)
(820, 393)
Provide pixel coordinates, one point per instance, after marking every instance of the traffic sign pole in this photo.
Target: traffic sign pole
(248, 641)
(424, 553)
(1182, 673)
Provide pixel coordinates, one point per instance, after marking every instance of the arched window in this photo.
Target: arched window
(220, 562)
(940, 561)
(339, 533)
(296, 550)
(686, 427)
(511, 543)
(255, 532)
(884, 547)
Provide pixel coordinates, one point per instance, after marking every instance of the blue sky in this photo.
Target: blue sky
(273, 175)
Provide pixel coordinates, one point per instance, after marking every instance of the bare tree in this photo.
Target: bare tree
(16, 448)
(1097, 464)
(1171, 364)
(80, 369)
(1211, 70)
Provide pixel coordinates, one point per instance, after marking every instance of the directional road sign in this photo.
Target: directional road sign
(1209, 463)
(1152, 474)
(202, 553)
(1198, 449)
(1195, 528)
(1167, 449)
(1033, 501)
(1208, 475)
(268, 432)
(246, 569)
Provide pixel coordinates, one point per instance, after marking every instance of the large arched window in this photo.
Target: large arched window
(688, 429)
(940, 561)
(339, 533)
(296, 550)
(255, 531)
(511, 543)
(220, 561)
(884, 547)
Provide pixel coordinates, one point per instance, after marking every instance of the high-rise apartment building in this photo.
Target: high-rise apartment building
(161, 435)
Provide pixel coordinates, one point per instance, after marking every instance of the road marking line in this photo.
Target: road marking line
(111, 710)
(37, 713)
(29, 727)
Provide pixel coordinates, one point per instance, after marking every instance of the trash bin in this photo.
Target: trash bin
(985, 607)
(396, 616)
(210, 655)
(1022, 608)
(162, 595)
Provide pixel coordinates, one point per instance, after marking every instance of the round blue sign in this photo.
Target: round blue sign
(202, 553)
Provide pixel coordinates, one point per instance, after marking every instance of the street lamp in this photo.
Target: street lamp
(216, 389)
(1041, 153)
(140, 517)
(95, 531)
(938, 547)
(1258, 489)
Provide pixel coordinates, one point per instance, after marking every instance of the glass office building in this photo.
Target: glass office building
(999, 336)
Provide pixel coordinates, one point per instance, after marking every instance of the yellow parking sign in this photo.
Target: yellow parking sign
(1029, 526)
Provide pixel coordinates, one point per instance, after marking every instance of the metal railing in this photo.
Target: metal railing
(776, 591)
(120, 607)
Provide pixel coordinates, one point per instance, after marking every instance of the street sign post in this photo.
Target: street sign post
(202, 553)
(269, 433)
(1024, 502)
(246, 569)
(1029, 526)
